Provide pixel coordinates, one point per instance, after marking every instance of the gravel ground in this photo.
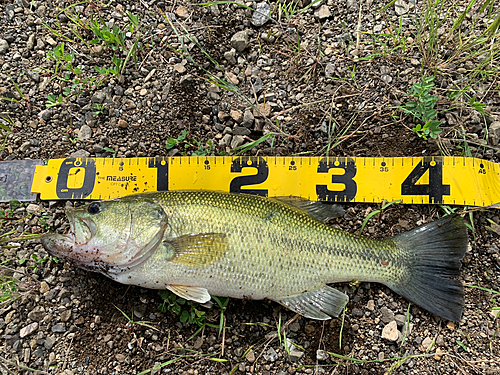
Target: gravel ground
(323, 78)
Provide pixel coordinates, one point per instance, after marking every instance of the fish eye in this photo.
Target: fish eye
(94, 208)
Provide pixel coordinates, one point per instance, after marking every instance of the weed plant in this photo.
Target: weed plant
(67, 65)
(423, 108)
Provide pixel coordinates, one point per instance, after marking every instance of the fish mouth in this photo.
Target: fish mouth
(81, 230)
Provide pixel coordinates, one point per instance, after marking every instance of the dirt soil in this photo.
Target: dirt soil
(187, 79)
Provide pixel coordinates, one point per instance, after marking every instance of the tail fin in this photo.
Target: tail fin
(433, 252)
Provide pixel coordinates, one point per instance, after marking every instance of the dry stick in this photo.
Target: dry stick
(358, 29)
(66, 354)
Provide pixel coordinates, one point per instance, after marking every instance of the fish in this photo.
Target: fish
(203, 243)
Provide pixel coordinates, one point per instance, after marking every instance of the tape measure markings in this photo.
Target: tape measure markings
(424, 180)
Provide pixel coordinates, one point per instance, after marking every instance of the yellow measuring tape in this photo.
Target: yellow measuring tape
(420, 180)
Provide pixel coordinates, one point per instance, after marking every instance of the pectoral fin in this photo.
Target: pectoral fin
(321, 304)
(191, 293)
(196, 250)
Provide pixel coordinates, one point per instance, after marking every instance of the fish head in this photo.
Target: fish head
(110, 236)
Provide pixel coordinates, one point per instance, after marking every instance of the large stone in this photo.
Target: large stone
(494, 133)
(387, 315)
(240, 41)
(390, 331)
(85, 133)
(28, 330)
(263, 110)
(261, 14)
(401, 7)
(4, 46)
(323, 12)
(241, 130)
(237, 140)
(248, 119)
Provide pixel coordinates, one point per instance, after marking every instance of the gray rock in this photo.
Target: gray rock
(387, 315)
(237, 140)
(257, 84)
(401, 7)
(9, 9)
(357, 312)
(386, 78)
(259, 125)
(17, 56)
(329, 70)
(494, 133)
(270, 355)
(230, 56)
(80, 154)
(323, 12)
(39, 353)
(295, 354)
(248, 119)
(226, 140)
(37, 313)
(58, 328)
(35, 76)
(98, 97)
(28, 330)
(33, 209)
(4, 46)
(49, 342)
(25, 146)
(321, 355)
(352, 4)
(30, 44)
(250, 357)
(261, 14)
(400, 319)
(240, 41)
(241, 130)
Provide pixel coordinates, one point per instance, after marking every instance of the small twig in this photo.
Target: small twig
(66, 354)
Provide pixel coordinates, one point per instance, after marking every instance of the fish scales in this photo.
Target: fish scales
(203, 243)
(273, 249)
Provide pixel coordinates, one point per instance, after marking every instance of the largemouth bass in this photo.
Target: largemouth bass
(201, 243)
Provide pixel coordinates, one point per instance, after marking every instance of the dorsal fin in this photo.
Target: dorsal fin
(322, 211)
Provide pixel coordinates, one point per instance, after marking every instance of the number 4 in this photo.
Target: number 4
(434, 189)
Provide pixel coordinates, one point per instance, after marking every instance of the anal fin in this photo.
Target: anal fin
(321, 304)
(191, 293)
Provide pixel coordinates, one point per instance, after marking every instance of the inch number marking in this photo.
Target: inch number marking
(83, 165)
(350, 187)
(161, 172)
(435, 189)
(261, 176)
